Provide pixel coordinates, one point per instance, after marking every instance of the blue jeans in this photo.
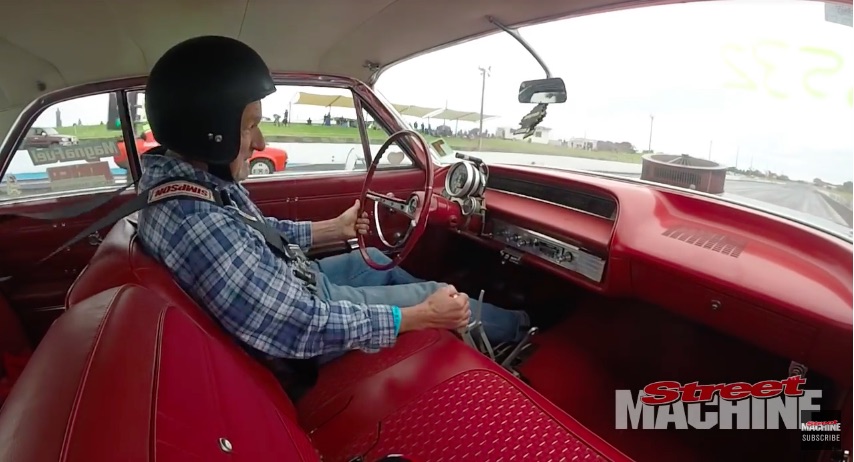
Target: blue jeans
(348, 277)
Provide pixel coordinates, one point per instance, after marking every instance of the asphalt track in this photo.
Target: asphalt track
(799, 197)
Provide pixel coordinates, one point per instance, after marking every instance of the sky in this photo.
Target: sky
(761, 83)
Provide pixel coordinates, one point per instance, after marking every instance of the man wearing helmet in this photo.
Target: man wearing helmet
(203, 102)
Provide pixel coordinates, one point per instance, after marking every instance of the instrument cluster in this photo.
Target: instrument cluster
(465, 184)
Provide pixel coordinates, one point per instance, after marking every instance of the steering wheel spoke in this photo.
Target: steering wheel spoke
(394, 204)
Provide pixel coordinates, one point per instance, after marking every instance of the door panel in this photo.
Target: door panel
(323, 196)
(35, 294)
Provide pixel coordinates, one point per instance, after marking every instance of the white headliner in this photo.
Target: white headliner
(65, 43)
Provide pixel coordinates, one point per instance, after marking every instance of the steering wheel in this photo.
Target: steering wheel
(415, 208)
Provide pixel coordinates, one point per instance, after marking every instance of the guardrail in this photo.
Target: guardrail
(841, 204)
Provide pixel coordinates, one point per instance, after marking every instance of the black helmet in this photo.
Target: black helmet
(196, 94)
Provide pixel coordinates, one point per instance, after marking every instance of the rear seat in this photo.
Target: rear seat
(430, 396)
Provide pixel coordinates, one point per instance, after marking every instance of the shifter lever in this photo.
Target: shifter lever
(519, 347)
(484, 340)
(475, 329)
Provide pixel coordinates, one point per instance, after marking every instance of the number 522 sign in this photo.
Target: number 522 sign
(783, 71)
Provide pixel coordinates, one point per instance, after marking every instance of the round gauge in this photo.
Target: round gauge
(469, 206)
(463, 179)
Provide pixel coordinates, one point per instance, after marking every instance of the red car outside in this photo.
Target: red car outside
(265, 162)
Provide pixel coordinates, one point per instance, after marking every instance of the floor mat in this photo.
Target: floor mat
(606, 345)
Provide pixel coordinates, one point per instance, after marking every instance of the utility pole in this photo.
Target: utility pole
(737, 150)
(651, 119)
(710, 149)
(484, 72)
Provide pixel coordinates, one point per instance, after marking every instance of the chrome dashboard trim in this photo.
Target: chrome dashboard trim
(553, 250)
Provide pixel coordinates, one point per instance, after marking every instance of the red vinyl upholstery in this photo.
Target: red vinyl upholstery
(13, 339)
(14, 348)
(430, 397)
(125, 375)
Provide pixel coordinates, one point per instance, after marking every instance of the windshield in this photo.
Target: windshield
(758, 94)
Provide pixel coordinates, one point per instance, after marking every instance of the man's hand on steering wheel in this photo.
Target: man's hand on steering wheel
(415, 208)
(351, 224)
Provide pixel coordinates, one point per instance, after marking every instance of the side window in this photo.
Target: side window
(307, 130)
(70, 148)
(395, 156)
(315, 129)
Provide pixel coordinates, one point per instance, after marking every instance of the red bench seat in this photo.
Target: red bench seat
(430, 397)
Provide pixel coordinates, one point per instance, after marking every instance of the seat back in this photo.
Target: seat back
(120, 260)
(127, 375)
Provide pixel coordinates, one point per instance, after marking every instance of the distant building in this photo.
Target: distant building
(583, 143)
(542, 135)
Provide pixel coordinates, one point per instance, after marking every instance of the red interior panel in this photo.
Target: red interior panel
(323, 196)
(37, 294)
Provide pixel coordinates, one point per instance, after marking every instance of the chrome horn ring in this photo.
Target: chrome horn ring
(411, 208)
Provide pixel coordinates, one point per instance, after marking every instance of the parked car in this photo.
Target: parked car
(38, 137)
(265, 162)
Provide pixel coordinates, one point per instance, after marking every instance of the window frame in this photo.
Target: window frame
(387, 120)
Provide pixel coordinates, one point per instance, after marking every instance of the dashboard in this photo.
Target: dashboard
(466, 185)
(726, 266)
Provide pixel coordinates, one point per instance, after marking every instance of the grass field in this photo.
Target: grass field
(318, 133)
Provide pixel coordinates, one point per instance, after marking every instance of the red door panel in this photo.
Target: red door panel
(325, 195)
(36, 294)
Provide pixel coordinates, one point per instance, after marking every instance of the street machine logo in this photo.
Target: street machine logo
(668, 405)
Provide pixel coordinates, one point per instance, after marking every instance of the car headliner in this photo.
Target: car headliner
(63, 43)
(48, 45)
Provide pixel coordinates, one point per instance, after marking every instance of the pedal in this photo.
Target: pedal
(527, 351)
(503, 350)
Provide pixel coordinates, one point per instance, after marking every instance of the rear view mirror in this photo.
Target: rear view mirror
(543, 91)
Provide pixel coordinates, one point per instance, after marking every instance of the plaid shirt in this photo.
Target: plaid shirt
(228, 269)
